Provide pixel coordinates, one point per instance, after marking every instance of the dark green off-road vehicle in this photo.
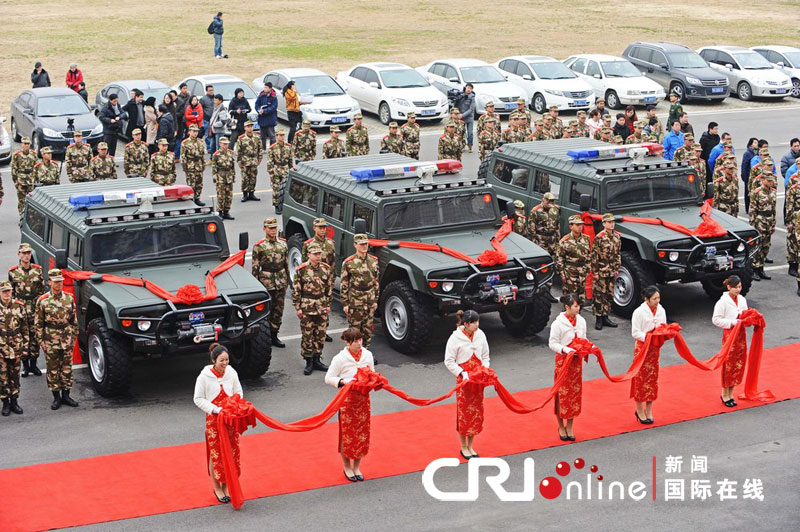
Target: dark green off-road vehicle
(134, 228)
(449, 210)
(584, 176)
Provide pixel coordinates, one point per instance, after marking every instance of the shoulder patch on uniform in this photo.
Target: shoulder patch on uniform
(216, 152)
(261, 241)
(128, 144)
(309, 240)
(37, 164)
(44, 296)
(373, 256)
(36, 266)
(19, 302)
(385, 137)
(442, 137)
(565, 237)
(14, 267)
(348, 259)
(95, 157)
(536, 208)
(301, 266)
(281, 239)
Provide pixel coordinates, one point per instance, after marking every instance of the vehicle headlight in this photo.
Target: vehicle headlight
(309, 109)
(556, 93)
(634, 93)
(401, 101)
(50, 132)
(693, 81)
(97, 129)
(740, 247)
(673, 256)
(447, 287)
(143, 325)
(247, 312)
(529, 275)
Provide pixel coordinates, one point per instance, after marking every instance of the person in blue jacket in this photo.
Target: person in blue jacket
(749, 153)
(673, 140)
(267, 108)
(717, 150)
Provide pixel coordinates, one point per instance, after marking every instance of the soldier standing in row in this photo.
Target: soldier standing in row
(28, 284)
(162, 165)
(544, 224)
(538, 131)
(249, 154)
(22, 163)
(765, 162)
(13, 347)
(574, 259)
(792, 232)
(726, 190)
(682, 153)
(223, 173)
(461, 127)
(328, 250)
(488, 138)
(136, 157)
(489, 115)
(333, 148)
(193, 162)
(637, 137)
(583, 127)
(410, 134)
(359, 288)
(572, 130)
(449, 144)
(312, 289)
(46, 171)
(521, 226)
(77, 159)
(56, 330)
(279, 162)
(762, 218)
(605, 134)
(271, 268)
(102, 166)
(701, 169)
(606, 261)
(304, 144)
(523, 113)
(513, 133)
(557, 131)
(393, 142)
(357, 138)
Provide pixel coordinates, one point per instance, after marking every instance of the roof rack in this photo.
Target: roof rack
(430, 187)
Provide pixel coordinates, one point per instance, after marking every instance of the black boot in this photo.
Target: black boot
(768, 261)
(67, 400)
(755, 276)
(309, 366)
(318, 365)
(15, 406)
(198, 202)
(26, 368)
(598, 323)
(34, 368)
(761, 273)
(798, 288)
(253, 197)
(56, 401)
(608, 323)
(275, 340)
(793, 269)
(245, 196)
(6, 407)
(328, 338)
(226, 215)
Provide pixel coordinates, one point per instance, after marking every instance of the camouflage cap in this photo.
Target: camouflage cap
(727, 144)
(280, 131)
(104, 146)
(270, 222)
(357, 116)
(320, 222)
(222, 140)
(24, 248)
(5, 286)
(361, 238)
(575, 219)
(693, 157)
(334, 129)
(46, 149)
(165, 142)
(728, 164)
(306, 123)
(193, 127)
(689, 136)
(521, 100)
(697, 147)
(55, 275)
(455, 110)
(618, 139)
(581, 113)
(606, 130)
(538, 122)
(411, 114)
(573, 123)
(548, 118)
(392, 124)
(77, 133)
(314, 249)
(766, 161)
(25, 140)
(518, 204)
(250, 123)
(138, 131)
(450, 124)
(608, 217)
(638, 124)
(490, 103)
(763, 151)
(549, 196)
(554, 108)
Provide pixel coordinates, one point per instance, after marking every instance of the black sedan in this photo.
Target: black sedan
(50, 115)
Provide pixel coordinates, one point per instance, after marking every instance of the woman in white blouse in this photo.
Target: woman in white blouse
(730, 306)
(215, 383)
(467, 349)
(644, 385)
(563, 330)
(354, 416)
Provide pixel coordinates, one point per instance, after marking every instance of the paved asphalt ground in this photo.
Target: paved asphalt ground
(755, 443)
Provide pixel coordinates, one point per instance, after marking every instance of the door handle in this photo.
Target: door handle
(650, 70)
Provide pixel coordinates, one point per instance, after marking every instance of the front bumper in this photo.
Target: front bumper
(59, 145)
(701, 92)
(707, 260)
(427, 112)
(569, 103)
(771, 91)
(641, 99)
(327, 118)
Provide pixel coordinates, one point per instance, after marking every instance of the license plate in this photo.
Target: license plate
(718, 90)
(780, 91)
(493, 279)
(511, 106)
(339, 119)
(196, 317)
(649, 99)
(581, 103)
(428, 112)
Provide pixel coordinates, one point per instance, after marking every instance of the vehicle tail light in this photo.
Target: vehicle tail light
(212, 227)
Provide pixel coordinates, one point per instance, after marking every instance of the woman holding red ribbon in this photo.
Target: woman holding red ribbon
(726, 315)
(214, 384)
(568, 325)
(354, 416)
(467, 349)
(644, 385)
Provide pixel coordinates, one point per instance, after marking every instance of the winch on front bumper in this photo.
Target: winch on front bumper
(697, 259)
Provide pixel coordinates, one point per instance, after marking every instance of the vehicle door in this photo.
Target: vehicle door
(278, 83)
(356, 86)
(435, 75)
(660, 68)
(74, 250)
(333, 210)
(27, 118)
(373, 90)
(571, 203)
(452, 77)
(730, 67)
(524, 76)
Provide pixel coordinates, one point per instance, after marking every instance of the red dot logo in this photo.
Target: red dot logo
(599, 477)
(593, 469)
(562, 468)
(579, 463)
(550, 488)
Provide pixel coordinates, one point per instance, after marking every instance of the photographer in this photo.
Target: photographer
(111, 116)
(466, 105)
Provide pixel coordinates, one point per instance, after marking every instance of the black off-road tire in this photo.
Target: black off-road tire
(116, 375)
(483, 169)
(252, 357)
(527, 320)
(411, 307)
(635, 276)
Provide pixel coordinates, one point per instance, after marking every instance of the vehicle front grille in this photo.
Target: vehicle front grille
(335, 111)
(579, 94)
(430, 103)
(772, 83)
(714, 82)
(508, 99)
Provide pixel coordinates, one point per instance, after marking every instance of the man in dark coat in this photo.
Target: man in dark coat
(267, 108)
(111, 116)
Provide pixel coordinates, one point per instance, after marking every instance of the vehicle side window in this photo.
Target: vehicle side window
(541, 182)
(74, 248)
(512, 173)
(579, 188)
(25, 100)
(644, 54)
(195, 88)
(658, 58)
(304, 194)
(579, 65)
(522, 69)
(593, 68)
(55, 235)
(555, 186)
(370, 77)
(359, 73)
(333, 206)
(774, 57)
(725, 59)
(365, 213)
(275, 80)
(504, 65)
(437, 69)
(450, 72)
(36, 222)
(122, 94)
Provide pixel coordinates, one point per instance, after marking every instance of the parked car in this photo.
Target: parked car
(50, 116)
(749, 74)
(787, 59)
(546, 82)
(123, 88)
(323, 101)
(5, 143)
(223, 84)
(678, 69)
(489, 84)
(616, 79)
(391, 90)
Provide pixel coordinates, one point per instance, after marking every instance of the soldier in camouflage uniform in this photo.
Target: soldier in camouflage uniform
(488, 138)
(28, 284)
(410, 134)
(572, 130)
(312, 289)
(56, 329)
(304, 144)
(606, 261)
(558, 126)
(514, 132)
(271, 267)
(574, 259)
(223, 173)
(449, 144)
(606, 134)
(617, 140)
(359, 288)
(792, 231)
(637, 137)
(357, 138)
(762, 218)
(193, 161)
(489, 114)
(136, 158)
(393, 142)
(583, 127)
(726, 190)
(544, 224)
(162, 165)
(77, 159)
(727, 153)
(699, 172)
(538, 131)
(279, 162)
(765, 161)
(14, 336)
(682, 153)
(333, 148)
(701, 169)
(523, 114)
(249, 154)
(46, 171)
(521, 226)
(102, 166)
(461, 127)
(22, 163)
(328, 248)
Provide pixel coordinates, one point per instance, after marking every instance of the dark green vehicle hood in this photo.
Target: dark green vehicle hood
(688, 216)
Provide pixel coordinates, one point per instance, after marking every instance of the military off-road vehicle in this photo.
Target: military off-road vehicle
(134, 228)
(632, 181)
(396, 198)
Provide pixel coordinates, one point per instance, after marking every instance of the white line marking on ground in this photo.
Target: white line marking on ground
(781, 229)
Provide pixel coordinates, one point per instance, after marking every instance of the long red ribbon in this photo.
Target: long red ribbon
(708, 226)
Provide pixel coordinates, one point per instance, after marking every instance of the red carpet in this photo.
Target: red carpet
(169, 479)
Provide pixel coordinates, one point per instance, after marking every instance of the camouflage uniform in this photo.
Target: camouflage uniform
(271, 267)
(102, 167)
(450, 147)
(392, 144)
(487, 142)
(520, 225)
(162, 168)
(583, 129)
(136, 159)
(333, 149)
(312, 288)
(249, 154)
(328, 251)
(682, 153)
(56, 329)
(511, 135)
(359, 292)
(223, 173)
(193, 162)
(635, 138)
(755, 172)
(606, 261)
(484, 117)
(792, 215)
(46, 173)
(304, 145)
(762, 218)
(28, 285)
(461, 132)
(279, 162)
(525, 114)
(545, 227)
(410, 134)
(14, 334)
(77, 161)
(726, 192)
(700, 169)
(557, 129)
(357, 140)
(573, 259)
(22, 165)
(539, 134)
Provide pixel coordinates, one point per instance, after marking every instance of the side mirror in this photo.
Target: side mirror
(585, 202)
(729, 66)
(710, 190)
(511, 212)
(780, 64)
(374, 84)
(526, 77)
(27, 111)
(360, 226)
(244, 240)
(597, 76)
(453, 80)
(60, 261)
(664, 66)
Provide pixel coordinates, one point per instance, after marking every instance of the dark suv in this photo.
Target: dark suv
(678, 69)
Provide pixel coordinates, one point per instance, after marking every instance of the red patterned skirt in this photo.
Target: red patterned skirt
(568, 399)
(733, 367)
(354, 422)
(213, 452)
(644, 386)
(469, 403)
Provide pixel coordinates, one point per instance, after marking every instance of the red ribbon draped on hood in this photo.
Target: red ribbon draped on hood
(708, 226)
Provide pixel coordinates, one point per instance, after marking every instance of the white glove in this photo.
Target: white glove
(465, 375)
(217, 409)
(568, 350)
(348, 379)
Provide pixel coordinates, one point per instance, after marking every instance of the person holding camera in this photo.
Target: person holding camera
(39, 76)
(111, 116)
(466, 105)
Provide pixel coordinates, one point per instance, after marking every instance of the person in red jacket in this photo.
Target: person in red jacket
(74, 77)
(194, 113)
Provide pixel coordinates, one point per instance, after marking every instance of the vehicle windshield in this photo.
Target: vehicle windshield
(68, 104)
(481, 74)
(620, 69)
(467, 208)
(156, 92)
(552, 70)
(794, 58)
(681, 187)
(228, 89)
(686, 60)
(175, 241)
(752, 61)
(318, 86)
(403, 79)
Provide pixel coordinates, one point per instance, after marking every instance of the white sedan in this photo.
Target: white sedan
(547, 82)
(616, 80)
(392, 90)
(785, 58)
